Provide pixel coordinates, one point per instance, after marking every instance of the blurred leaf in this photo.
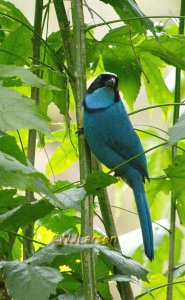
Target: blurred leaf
(12, 49)
(15, 174)
(71, 198)
(27, 282)
(123, 278)
(158, 280)
(176, 173)
(11, 10)
(177, 131)
(156, 88)
(25, 214)
(17, 111)
(71, 296)
(168, 48)
(9, 200)
(98, 180)
(8, 145)
(130, 9)
(125, 264)
(59, 222)
(25, 75)
(119, 57)
(179, 271)
(63, 157)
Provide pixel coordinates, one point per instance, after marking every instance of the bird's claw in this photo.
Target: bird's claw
(80, 131)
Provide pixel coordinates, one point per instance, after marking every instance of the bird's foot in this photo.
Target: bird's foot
(80, 131)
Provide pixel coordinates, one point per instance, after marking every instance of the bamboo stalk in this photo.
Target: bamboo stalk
(28, 230)
(174, 153)
(124, 288)
(88, 265)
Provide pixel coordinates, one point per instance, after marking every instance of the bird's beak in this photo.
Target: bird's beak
(111, 82)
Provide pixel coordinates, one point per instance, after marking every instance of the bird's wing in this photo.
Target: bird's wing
(124, 140)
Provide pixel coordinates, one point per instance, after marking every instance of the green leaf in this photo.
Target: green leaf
(25, 214)
(12, 49)
(14, 173)
(130, 9)
(159, 280)
(25, 76)
(63, 157)
(71, 296)
(8, 145)
(17, 111)
(176, 174)
(122, 60)
(123, 278)
(11, 10)
(59, 222)
(98, 180)
(177, 131)
(27, 282)
(127, 265)
(156, 88)
(9, 200)
(168, 48)
(71, 198)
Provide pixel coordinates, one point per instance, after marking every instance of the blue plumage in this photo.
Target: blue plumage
(113, 140)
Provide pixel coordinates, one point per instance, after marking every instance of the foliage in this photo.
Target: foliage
(140, 55)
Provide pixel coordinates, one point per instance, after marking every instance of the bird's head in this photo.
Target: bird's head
(105, 79)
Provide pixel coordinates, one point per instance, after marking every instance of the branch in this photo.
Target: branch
(174, 154)
(28, 230)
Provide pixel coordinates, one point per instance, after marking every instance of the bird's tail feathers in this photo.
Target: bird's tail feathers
(145, 220)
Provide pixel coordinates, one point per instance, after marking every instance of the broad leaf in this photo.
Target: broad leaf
(169, 48)
(12, 49)
(177, 132)
(129, 9)
(9, 146)
(17, 111)
(63, 157)
(176, 174)
(27, 282)
(60, 222)
(126, 265)
(98, 180)
(119, 57)
(155, 86)
(71, 296)
(14, 173)
(160, 292)
(25, 214)
(25, 76)
(70, 198)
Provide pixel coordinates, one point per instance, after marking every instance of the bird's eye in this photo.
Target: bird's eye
(100, 77)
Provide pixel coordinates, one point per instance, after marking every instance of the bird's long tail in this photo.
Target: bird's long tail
(145, 219)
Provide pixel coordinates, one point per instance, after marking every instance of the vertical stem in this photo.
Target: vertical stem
(174, 153)
(124, 288)
(88, 265)
(28, 230)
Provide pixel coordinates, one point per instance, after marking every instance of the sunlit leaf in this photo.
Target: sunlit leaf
(25, 214)
(17, 111)
(25, 75)
(12, 49)
(177, 131)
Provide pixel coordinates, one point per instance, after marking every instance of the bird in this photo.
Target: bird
(113, 140)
